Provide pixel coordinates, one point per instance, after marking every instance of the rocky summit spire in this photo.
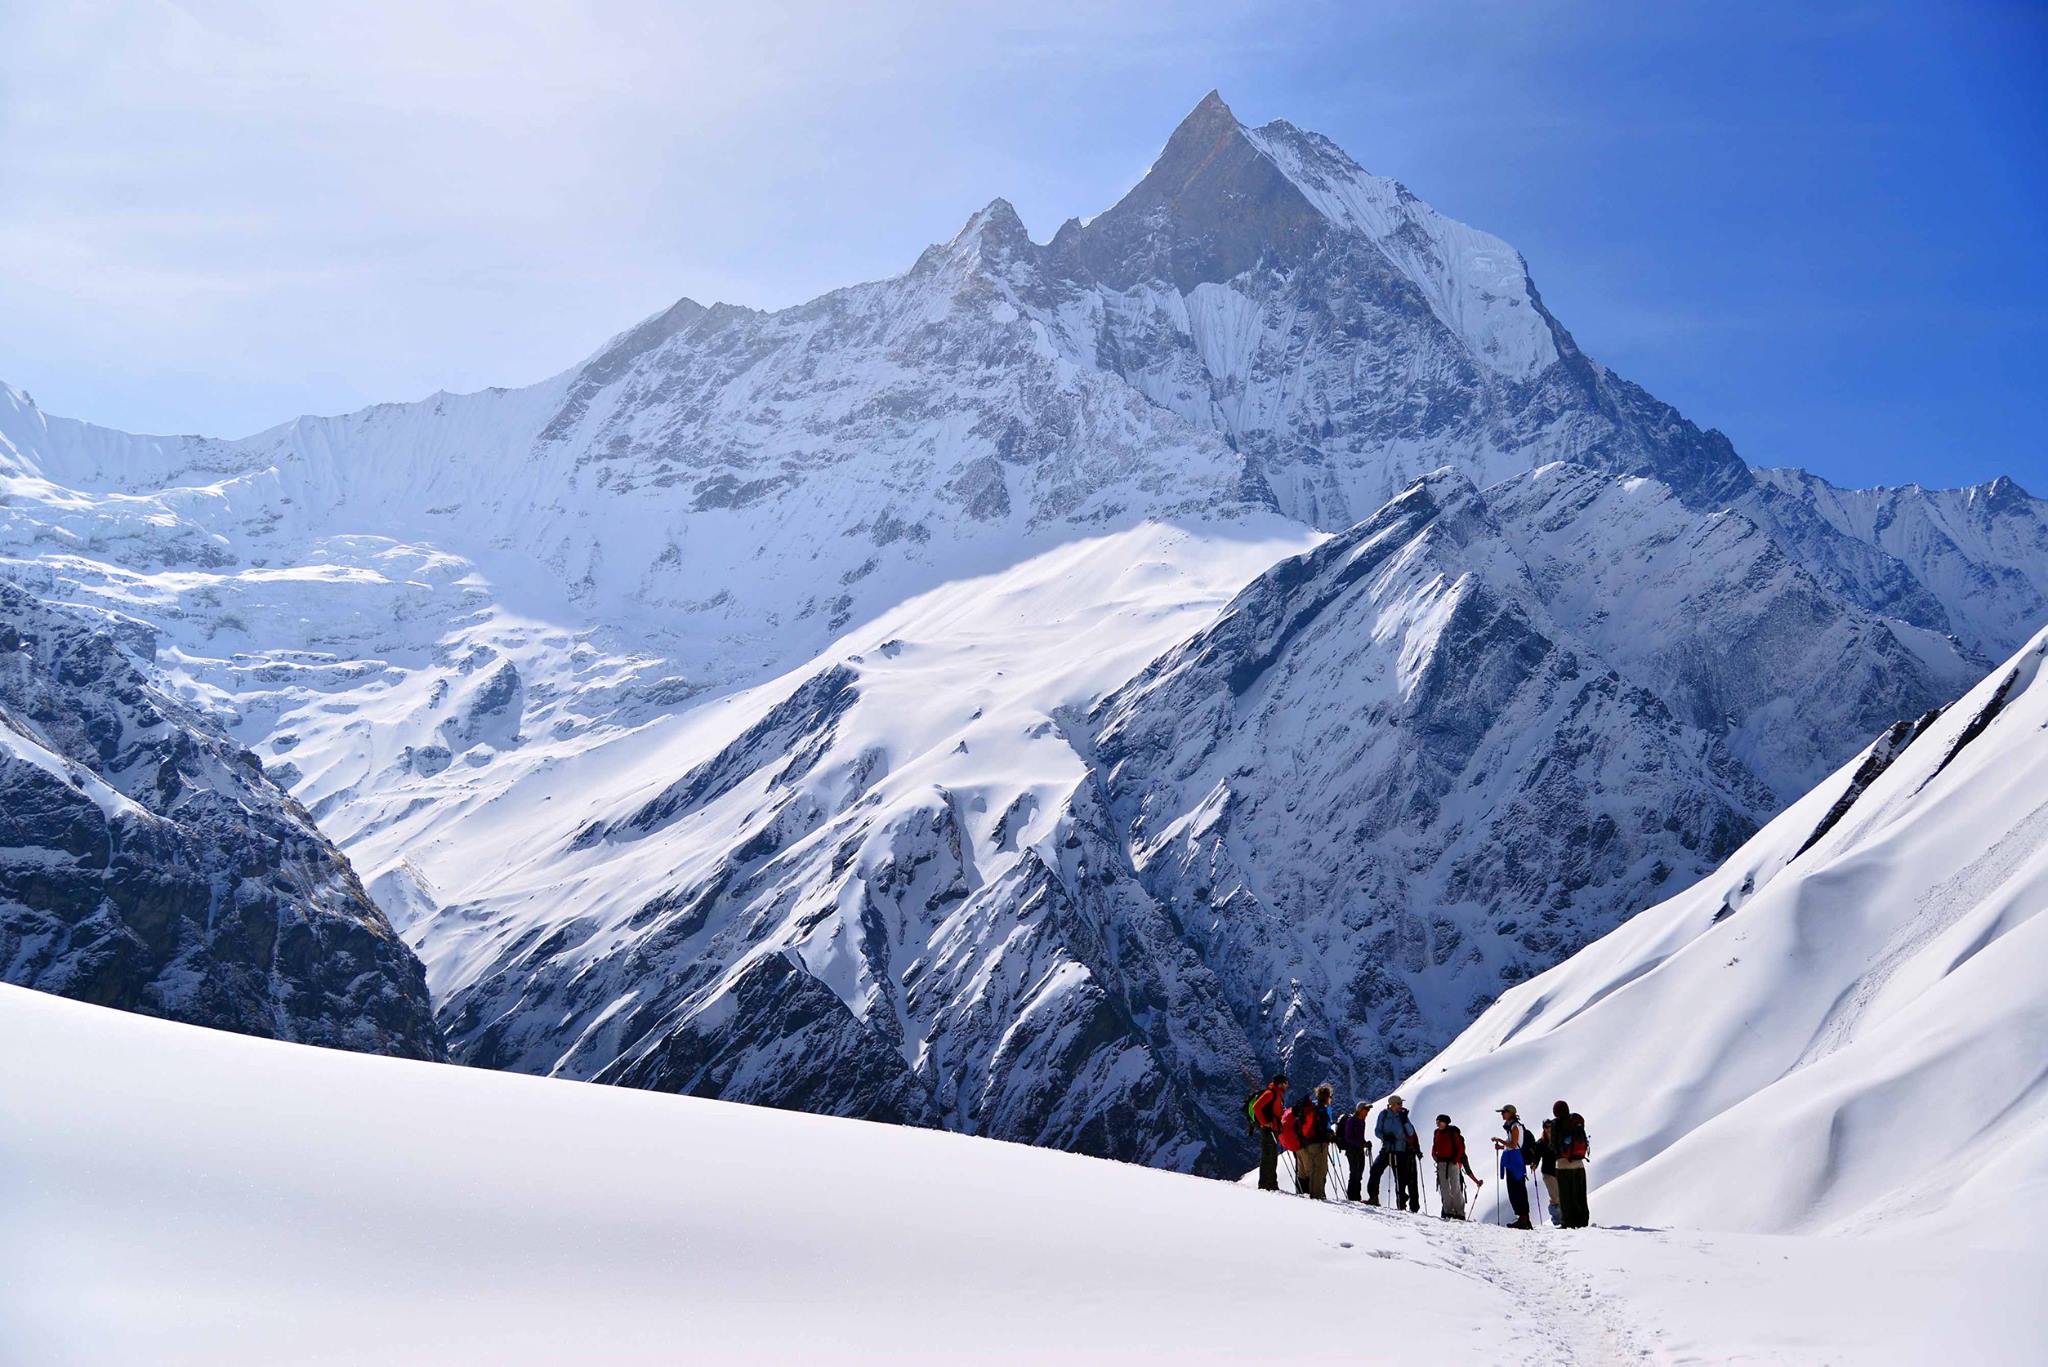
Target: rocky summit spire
(1207, 123)
(1212, 205)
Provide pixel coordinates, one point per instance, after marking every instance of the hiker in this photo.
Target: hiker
(1515, 1147)
(1265, 1110)
(1573, 1150)
(1402, 1147)
(1351, 1132)
(1289, 1136)
(1312, 1164)
(1546, 1164)
(1447, 1147)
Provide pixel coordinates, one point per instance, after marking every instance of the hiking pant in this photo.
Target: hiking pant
(1311, 1167)
(1269, 1161)
(1407, 1182)
(1550, 1190)
(1354, 1171)
(1571, 1193)
(1450, 1185)
(1379, 1166)
(1518, 1195)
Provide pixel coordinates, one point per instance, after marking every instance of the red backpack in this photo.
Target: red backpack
(1449, 1146)
(1290, 1128)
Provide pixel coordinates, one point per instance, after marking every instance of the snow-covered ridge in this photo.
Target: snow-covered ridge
(1476, 284)
(1983, 549)
(1841, 1027)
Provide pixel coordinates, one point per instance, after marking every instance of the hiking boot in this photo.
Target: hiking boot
(1521, 1224)
(1372, 1200)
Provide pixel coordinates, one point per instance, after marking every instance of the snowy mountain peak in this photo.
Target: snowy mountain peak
(1210, 120)
(1211, 208)
(996, 226)
(1477, 285)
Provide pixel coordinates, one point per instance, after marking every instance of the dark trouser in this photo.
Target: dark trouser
(1518, 1195)
(1571, 1194)
(1269, 1161)
(1379, 1166)
(1407, 1190)
(1354, 1167)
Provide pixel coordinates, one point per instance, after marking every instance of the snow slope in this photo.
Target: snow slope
(176, 1195)
(1842, 1028)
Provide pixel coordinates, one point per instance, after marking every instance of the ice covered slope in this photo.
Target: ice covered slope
(150, 863)
(180, 1196)
(1843, 1027)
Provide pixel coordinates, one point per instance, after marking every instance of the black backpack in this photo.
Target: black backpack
(1532, 1151)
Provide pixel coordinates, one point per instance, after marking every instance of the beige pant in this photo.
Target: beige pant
(1550, 1187)
(1311, 1166)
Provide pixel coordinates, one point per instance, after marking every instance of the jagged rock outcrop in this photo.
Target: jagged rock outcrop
(152, 865)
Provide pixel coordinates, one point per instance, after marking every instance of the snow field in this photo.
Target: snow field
(177, 1195)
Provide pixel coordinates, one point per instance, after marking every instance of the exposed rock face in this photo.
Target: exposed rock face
(153, 866)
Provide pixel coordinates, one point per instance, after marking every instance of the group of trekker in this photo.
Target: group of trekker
(1305, 1132)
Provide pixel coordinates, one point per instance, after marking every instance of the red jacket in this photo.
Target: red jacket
(1268, 1109)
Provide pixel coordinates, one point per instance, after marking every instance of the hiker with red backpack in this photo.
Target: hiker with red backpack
(1289, 1136)
(1265, 1111)
(1312, 1161)
(1447, 1147)
(1568, 1131)
(1351, 1132)
(1546, 1167)
(1515, 1149)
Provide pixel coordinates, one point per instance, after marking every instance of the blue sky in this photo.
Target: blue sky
(1821, 228)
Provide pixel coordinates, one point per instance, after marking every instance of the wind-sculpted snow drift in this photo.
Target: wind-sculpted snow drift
(1036, 693)
(1839, 1028)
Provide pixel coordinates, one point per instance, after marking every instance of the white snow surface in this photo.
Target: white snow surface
(1834, 1035)
(1476, 284)
(177, 1195)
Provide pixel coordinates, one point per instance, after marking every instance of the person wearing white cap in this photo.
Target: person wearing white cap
(1514, 1148)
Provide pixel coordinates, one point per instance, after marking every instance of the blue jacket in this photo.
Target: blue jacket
(1396, 1132)
(1512, 1164)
